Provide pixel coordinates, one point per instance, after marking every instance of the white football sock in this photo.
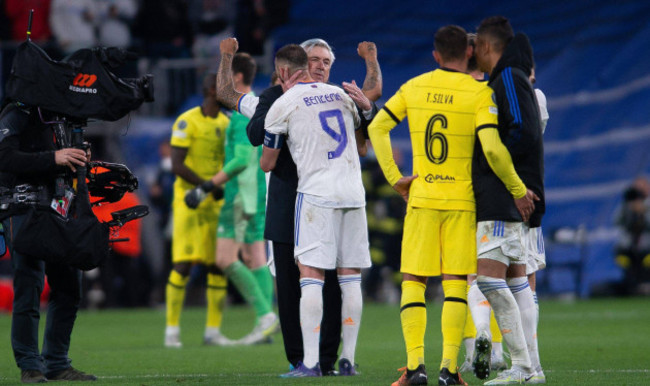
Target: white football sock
(469, 347)
(352, 304)
(211, 331)
(526, 303)
(497, 349)
(311, 314)
(480, 309)
(537, 365)
(507, 314)
(536, 307)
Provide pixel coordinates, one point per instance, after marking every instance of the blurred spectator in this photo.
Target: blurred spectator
(161, 194)
(633, 247)
(18, 15)
(162, 191)
(163, 28)
(16, 18)
(114, 18)
(255, 20)
(212, 21)
(249, 27)
(73, 24)
(385, 210)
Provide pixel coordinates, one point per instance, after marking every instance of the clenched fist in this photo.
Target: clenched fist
(367, 50)
(229, 46)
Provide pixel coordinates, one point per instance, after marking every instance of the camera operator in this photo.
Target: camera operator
(29, 166)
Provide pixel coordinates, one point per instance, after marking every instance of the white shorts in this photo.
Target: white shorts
(534, 249)
(329, 238)
(501, 241)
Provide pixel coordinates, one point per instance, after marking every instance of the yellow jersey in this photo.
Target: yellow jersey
(204, 137)
(445, 109)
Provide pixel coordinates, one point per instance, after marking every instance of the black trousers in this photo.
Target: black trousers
(65, 296)
(287, 279)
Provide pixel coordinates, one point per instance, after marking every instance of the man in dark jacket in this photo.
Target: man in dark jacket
(282, 192)
(504, 222)
(29, 164)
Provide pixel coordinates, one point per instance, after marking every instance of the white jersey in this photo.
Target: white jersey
(543, 111)
(319, 121)
(247, 104)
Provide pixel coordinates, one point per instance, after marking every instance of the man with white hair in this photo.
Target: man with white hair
(318, 121)
(282, 191)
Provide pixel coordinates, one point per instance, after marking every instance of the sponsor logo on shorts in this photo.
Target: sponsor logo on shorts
(484, 239)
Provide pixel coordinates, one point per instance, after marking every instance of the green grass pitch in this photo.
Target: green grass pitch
(595, 342)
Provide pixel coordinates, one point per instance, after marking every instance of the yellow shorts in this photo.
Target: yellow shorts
(438, 241)
(194, 234)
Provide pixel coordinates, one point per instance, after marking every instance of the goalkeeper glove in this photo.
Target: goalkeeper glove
(217, 193)
(194, 197)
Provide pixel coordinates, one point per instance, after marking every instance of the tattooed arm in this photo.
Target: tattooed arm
(373, 83)
(226, 93)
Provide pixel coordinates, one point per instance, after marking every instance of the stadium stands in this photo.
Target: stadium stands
(591, 60)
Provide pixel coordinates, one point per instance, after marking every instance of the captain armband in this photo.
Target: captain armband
(274, 141)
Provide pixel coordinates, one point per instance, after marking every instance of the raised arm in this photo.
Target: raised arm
(373, 83)
(226, 93)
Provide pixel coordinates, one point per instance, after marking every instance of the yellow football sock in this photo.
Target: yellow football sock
(470, 329)
(454, 312)
(174, 297)
(216, 298)
(494, 329)
(413, 314)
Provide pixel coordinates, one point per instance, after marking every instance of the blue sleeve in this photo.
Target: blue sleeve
(519, 112)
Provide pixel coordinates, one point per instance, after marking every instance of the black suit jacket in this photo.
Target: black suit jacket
(283, 183)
